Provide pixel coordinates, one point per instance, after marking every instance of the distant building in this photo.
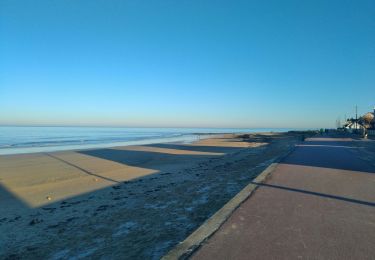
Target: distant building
(365, 124)
(351, 125)
(369, 122)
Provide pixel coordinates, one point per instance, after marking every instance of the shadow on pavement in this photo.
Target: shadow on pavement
(329, 154)
(367, 203)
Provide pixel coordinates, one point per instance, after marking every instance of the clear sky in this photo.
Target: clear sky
(186, 63)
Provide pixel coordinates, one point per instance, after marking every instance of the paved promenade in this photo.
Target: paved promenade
(319, 203)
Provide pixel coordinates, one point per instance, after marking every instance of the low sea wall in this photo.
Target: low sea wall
(371, 132)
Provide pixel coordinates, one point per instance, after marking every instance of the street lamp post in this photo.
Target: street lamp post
(356, 118)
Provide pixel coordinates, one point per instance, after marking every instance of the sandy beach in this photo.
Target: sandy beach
(124, 202)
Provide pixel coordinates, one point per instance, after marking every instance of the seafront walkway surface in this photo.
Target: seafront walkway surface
(318, 203)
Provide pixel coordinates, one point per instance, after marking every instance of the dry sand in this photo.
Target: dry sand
(133, 202)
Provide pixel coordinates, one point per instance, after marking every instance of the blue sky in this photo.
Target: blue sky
(185, 63)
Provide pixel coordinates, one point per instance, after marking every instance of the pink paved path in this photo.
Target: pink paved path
(319, 203)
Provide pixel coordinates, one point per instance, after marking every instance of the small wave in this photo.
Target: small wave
(5, 146)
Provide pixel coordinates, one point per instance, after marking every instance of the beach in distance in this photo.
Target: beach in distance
(33, 139)
(135, 201)
(208, 130)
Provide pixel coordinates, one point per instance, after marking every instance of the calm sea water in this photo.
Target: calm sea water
(15, 140)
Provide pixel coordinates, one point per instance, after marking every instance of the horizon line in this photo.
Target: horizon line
(113, 126)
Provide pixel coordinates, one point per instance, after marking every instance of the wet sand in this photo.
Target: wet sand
(123, 202)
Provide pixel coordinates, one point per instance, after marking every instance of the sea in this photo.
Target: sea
(34, 139)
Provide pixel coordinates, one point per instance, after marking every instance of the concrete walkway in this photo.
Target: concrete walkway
(319, 203)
